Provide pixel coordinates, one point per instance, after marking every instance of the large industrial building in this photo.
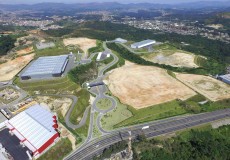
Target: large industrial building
(45, 67)
(36, 128)
(142, 44)
(225, 78)
(120, 40)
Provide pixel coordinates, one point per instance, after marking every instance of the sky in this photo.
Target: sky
(86, 1)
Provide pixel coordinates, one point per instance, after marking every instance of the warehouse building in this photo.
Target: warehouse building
(120, 40)
(36, 128)
(142, 44)
(103, 55)
(46, 67)
(225, 78)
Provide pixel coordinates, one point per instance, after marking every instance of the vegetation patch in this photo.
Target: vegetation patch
(98, 48)
(79, 109)
(6, 43)
(119, 114)
(58, 151)
(155, 112)
(201, 143)
(104, 104)
(83, 73)
(111, 150)
(61, 85)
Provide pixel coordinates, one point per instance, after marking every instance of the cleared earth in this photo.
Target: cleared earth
(176, 59)
(25, 51)
(11, 68)
(144, 86)
(83, 43)
(209, 87)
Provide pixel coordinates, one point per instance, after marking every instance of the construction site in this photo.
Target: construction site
(8, 95)
(135, 85)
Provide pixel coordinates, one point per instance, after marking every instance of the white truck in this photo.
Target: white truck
(145, 127)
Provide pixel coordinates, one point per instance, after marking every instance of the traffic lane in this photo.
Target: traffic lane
(184, 122)
(138, 130)
(125, 135)
(94, 147)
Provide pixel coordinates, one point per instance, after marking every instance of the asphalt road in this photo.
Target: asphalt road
(162, 127)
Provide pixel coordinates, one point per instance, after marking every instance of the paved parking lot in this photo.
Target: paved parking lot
(12, 145)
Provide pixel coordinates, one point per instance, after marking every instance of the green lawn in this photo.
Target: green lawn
(62, 85)
(83, 131)
(79, 109)
(119, 114)
(96, 132)
(160, 111)
(104, 104)
(62, 148)
(59, 49)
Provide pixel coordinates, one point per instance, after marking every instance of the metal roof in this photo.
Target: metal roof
(46, 65)
(226, 77)
(145, 42)
(33, 126)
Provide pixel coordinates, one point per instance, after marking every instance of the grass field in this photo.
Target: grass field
(96, 132)
(59, 49)
(104, 104)
(58, 151)
(153, 113)
(79, 109)
(80, 133)
(61, 85)
(119, 114)
(83, 131)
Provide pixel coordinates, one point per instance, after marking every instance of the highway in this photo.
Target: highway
(162, 127)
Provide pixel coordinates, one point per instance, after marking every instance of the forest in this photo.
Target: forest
(203, 144)
(218, 52)
(6, 44)
(83, 73)
(209, 66)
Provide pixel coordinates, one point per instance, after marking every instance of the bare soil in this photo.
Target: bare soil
(144, 86)
(211, 88)
(177, 59)
(83, 43)
(25, 51)
(11, 68)
(55, 104)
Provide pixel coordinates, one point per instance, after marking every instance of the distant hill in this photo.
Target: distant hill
(113, 6)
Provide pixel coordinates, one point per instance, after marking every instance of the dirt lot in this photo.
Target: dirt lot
(143, 86)
(11, 68)
(177, 59)
(55, 104)
(25, 51)
(209, 87)
(83, 43)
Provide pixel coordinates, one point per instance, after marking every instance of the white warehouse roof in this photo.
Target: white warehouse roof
(226, 77)
(34, 128)
(47, 65)
(143, 43)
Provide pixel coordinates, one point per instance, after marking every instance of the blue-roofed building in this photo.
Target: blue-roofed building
(225, 78)
(45, 67)
(142, 44)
